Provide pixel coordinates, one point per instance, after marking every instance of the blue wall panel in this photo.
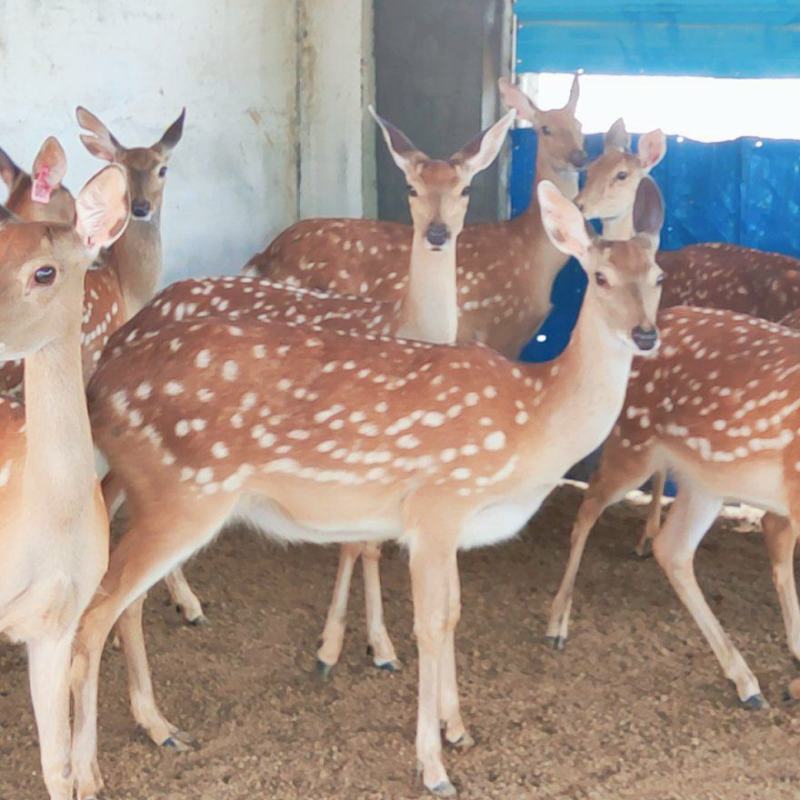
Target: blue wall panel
(660, 37)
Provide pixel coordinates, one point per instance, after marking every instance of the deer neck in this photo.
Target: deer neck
(59, 460)
(565, 179)
(136, 258)
(429, 311)
(583, 390)
(619, 228)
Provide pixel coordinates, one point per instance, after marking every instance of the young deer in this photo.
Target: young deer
(129, 273)
(505, 269)
(718, 405)
(427, 311)
(53, 524)
(713, 275)
(39, 196)
(320, 436)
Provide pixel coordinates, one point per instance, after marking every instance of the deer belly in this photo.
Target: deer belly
(502, 520)
(274, 521)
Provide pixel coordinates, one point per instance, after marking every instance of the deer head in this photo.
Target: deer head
(438, 191)
(41, 283)
(559, 134)
(612, 179)
(146, 167)
(624, 279)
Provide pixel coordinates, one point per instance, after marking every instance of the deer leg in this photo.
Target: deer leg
(688, 520)
(455, 733)
(617, 474)
(644, 548)
(184, 599)
(380, 646)
(153, 545)
(780, 538)
(332, 639)
(48, 668)
(430, 564)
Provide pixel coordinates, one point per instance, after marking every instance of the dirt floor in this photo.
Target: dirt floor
(635, 707)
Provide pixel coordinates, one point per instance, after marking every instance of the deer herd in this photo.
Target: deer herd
(357, 384)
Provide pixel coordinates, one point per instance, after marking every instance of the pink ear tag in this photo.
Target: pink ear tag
(41, 189)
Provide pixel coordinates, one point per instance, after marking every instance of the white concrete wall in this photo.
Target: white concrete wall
(233, 180)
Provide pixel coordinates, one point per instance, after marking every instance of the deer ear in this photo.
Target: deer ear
(565, 226)
(9, 171)
(574, 95)
(514, 97)
(100, 142)
(648, 211)
(49, 169)
(617, 138)
(102, 208)
(403, 150)
(477, 154)
(652, 148)
(172, 135)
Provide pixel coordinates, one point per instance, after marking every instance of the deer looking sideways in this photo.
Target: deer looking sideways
(505, 269)
(53, 523)
(345, 438)
(427, 311)
(130, 271)
(715, 275)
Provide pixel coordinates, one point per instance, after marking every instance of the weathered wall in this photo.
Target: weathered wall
(235, 178)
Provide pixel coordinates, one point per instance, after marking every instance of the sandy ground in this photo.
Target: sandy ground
(635, 707)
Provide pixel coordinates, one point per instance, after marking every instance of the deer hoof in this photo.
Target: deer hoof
(556, 642)
(756, 702)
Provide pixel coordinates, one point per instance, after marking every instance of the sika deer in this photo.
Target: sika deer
(505, 269)
(130, 272)
(718, 405)
(427, 311)
(713, 275)
(320, 436)
(39, 197)
(53, 524)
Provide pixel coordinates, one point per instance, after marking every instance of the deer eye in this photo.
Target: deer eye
(545, 130)
(620, 176)
(465, 191)
(412, 192)
(600, 279)
(45, 276)
(162, 172)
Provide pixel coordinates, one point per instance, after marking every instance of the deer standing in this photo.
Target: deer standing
(427, 311)
(53, 523)
(505, 269)
(711, 275)
(320, 436)
(714, 275)
(128, 274)
(719, 405)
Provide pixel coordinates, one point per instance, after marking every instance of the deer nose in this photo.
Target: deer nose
(437, 234)
(578, 158)
(140, 208)
(644, 338)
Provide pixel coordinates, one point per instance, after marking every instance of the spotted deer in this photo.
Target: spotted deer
(53, 524)
(719, 406)
(128, 274)
(427, 311)
(316, 435)
(712, 275)
(505, 269)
